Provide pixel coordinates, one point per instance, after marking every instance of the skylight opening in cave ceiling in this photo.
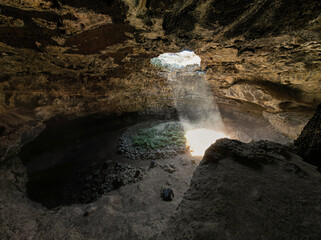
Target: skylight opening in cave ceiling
(179, 60)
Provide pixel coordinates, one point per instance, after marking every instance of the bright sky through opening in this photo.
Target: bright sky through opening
(177, 60)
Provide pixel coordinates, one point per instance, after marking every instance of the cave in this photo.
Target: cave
(160, 119)
(76, 161)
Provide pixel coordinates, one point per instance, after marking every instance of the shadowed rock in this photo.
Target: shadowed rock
(230, 199)
(309, 142)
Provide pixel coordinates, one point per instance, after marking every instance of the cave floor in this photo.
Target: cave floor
(133, 211)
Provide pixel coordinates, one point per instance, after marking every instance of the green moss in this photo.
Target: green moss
(156, 137)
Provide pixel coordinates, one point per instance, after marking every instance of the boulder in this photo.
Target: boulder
(256, 190)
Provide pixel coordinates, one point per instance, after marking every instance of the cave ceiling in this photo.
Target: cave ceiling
(75, 58)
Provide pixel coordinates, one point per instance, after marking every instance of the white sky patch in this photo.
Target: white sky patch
(177, 60)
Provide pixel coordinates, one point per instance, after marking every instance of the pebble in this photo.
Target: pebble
(89, 211)
(170, 170)
(153, 164)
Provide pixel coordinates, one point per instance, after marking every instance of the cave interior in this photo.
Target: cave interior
(168, 119)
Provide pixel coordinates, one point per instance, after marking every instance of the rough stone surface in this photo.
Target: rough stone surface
(75, 58)
(308, 143)
(289, 123)
(134, 211)
(257, 190)
(92, 183)
(70, 183)
(71, 58)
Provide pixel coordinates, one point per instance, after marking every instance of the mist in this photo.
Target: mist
(194, 102)
(192, 95)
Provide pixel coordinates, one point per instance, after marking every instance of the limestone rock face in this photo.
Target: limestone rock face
(75, 58)
(257, 190)
(309, 142)
(289, 123)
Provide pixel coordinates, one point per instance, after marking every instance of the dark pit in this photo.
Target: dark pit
(76, 161)
(2, 130)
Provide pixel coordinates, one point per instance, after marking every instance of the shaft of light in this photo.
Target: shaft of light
(200, 139)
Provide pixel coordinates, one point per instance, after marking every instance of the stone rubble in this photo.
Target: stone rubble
(98, 181)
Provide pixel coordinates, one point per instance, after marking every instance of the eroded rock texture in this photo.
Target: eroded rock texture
(74, 58)
(261, 58)
(249, 191)
(309, 142)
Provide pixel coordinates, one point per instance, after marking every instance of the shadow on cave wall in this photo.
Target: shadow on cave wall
(251, 18)
(115, 8)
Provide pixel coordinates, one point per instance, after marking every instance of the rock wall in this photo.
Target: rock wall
(308, 144)
(258, 190)
(75, 58)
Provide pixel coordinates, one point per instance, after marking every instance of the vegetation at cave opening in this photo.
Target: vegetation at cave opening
(159, 136)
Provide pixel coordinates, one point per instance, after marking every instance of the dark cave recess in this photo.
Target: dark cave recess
(70, 158)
